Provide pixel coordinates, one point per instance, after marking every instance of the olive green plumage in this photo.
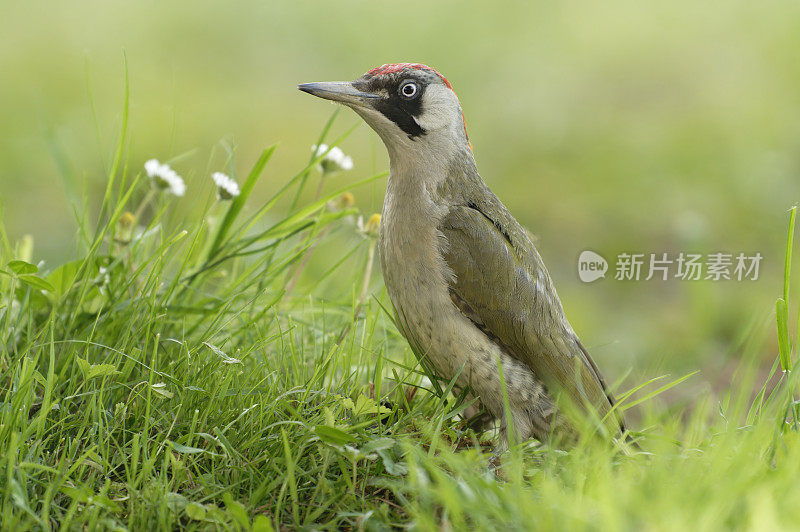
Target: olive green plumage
(471, 293)
(501, 283)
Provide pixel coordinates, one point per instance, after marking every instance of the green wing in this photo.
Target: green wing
(500, 282)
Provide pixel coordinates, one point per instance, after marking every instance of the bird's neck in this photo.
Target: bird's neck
(427, 161)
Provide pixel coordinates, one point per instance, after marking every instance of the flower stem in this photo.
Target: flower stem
(318, 193)
(145, 202)
(367, 274)
(364, 291)
(295, 275)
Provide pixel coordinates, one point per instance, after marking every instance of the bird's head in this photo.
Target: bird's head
(410, 105)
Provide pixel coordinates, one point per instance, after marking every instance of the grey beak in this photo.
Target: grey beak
(338, 91)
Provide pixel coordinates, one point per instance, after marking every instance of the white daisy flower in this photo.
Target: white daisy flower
(334, 159)
(227, 188)
(172, 182)
(165, 178)
(152, 167)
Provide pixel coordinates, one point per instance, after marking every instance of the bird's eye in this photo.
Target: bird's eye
(409, 89)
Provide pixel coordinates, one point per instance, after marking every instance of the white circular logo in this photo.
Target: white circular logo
(591, 266)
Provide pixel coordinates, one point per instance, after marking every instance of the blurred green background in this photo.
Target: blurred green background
(622, 127)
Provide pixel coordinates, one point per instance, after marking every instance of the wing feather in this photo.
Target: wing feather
(502, 281)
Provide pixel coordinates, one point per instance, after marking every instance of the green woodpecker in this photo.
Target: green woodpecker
(470, 291)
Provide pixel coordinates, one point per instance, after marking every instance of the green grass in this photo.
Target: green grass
(618, 127)
(167, 379)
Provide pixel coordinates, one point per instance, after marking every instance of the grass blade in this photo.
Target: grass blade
(238, 203)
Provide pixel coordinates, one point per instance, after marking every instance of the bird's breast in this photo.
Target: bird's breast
(414, 271)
